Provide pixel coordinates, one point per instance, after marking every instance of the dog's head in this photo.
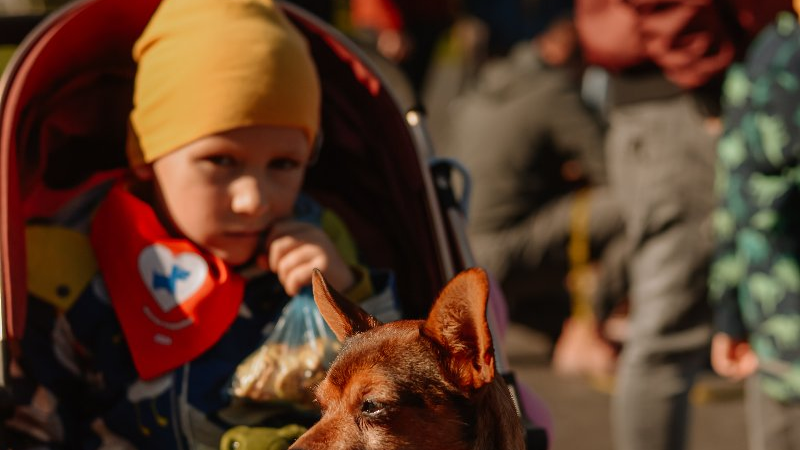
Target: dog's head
(412, 384)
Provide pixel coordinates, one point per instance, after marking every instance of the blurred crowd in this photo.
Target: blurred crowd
(634, 184)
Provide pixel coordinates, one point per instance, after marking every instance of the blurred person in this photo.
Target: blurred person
(512, 21)
(531, 146)
(755, 276)
(667, 59)
(404, 31)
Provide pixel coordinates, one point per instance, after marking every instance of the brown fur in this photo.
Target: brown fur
(414, 384)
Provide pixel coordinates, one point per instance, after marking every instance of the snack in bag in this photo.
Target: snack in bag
(292, 360)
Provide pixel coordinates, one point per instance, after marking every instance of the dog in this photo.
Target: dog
(414, 384)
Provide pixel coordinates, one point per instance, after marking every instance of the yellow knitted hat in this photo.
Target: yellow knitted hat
(208, 66)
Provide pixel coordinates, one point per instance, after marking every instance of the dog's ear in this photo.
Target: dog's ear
(343, 316)
(457, 322)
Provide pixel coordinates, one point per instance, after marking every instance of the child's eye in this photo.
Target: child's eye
(221, 160)
(284, 164)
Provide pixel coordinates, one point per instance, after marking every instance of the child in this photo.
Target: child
(183, 267)
(755, 278)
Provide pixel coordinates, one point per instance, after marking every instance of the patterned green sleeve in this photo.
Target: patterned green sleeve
(762, 98)
(727, 268)
(726, 272)
(757, 178)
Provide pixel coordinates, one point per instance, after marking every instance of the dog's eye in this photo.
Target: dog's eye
(372, 408)
(319, 405)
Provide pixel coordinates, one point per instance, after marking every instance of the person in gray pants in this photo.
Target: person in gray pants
(661, 158)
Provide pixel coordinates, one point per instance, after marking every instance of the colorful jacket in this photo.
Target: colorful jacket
(755, 277)
(75, 381)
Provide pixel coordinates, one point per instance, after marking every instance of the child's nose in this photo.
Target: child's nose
(249, 196)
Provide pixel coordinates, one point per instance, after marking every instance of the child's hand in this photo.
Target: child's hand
(732, 358)
(295, 248)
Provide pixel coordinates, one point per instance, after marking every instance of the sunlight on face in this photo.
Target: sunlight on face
(224, 191)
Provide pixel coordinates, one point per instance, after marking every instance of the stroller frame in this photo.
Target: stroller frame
(428, 260)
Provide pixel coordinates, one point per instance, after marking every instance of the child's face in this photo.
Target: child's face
(224, 191)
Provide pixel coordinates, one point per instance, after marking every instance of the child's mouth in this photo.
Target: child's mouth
(259, 235)
(243, 233)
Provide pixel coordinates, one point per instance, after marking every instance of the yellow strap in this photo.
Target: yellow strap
(345, 244)
(61, 264)
(362, 288)
(578, 252)
(337, 231)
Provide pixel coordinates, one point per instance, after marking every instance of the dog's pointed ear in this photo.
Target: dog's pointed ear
(343, 316)
(457, 322)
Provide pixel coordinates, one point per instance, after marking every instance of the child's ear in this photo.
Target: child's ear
(143, 172)
(457, 322)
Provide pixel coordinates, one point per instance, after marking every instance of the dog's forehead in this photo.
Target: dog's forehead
(393, 345)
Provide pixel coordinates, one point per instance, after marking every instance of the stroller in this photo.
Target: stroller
(64, 101)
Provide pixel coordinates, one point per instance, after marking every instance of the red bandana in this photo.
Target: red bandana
(173, 300)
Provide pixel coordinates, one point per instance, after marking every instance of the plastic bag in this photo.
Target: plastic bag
(292, 360)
